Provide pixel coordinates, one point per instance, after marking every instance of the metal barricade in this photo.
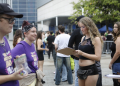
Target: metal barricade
(106, 47)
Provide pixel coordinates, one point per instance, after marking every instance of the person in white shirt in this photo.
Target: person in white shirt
(61, 41)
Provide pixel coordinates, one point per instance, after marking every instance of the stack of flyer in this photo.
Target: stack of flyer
(112, 76)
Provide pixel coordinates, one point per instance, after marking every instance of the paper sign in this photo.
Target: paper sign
(66, 51)
(113, 76)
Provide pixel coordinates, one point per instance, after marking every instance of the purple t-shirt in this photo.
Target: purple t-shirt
(6, 63)
(32, 58)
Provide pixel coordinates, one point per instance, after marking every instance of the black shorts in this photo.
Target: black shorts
(85, 71)
(40, 55)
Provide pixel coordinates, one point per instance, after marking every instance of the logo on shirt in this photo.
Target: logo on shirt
(33, 54)
(7, 59)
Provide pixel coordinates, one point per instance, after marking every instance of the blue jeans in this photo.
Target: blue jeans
(64, 73)
(116, 68)
(76, 68)
(59, 63)
(54, 57)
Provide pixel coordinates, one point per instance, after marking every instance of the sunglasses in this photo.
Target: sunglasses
(10, 20)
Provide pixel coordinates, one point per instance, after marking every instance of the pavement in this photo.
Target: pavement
(49, 68)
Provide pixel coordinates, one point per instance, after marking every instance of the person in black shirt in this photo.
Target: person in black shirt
(51, 47)
(109, 38)
(76, 38)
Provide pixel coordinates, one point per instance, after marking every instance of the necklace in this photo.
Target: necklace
(2, 44)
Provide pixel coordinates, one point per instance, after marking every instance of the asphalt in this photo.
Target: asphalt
(49, 68)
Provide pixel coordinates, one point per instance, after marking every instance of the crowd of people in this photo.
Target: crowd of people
(86, 40)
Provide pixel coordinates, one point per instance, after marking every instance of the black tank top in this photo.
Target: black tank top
(87, 47)
(113, 49)
(40, 50)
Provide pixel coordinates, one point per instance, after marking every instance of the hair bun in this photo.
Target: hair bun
(25, 23)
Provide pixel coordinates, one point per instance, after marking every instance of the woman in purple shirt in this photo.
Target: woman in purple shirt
(27, 47)
(7, 75)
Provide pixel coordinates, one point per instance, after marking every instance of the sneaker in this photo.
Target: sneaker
(72, 71)
(64, 81)
(42, 81)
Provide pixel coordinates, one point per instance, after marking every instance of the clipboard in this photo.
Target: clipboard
(66, 51)
(112, 76)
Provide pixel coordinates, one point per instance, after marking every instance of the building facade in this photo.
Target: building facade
(52, 13)
(25, 7)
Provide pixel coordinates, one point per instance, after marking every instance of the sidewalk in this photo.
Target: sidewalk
(49, 68)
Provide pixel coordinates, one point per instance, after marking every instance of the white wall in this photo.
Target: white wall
(55, 8)
(43, 28)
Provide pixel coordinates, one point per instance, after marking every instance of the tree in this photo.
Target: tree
(98, 10)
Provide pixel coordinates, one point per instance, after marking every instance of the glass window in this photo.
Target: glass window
(16, 10)
(23, 18)
(20, 23)
(31, 14)
(1, 1)
(31, 10)
(32, 22)
(22, 10)
(14, 2)
(31, 18)
(31, 0)
(22, 6)
(24, 13)
(15, 6)
(30, 5)
(16, 19)
(22, 2)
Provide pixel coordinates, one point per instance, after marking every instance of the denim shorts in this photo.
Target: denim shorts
(116, 68)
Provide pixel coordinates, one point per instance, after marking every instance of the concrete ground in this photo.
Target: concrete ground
(49, 68)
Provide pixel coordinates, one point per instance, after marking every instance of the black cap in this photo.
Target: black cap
(6, 9)
(78, 18)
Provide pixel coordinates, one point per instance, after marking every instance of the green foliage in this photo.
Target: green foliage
(98, 10)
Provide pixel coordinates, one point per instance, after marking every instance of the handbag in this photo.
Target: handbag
(82, 74)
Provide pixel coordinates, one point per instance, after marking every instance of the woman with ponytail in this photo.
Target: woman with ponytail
(39, 48)
(27, 47)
